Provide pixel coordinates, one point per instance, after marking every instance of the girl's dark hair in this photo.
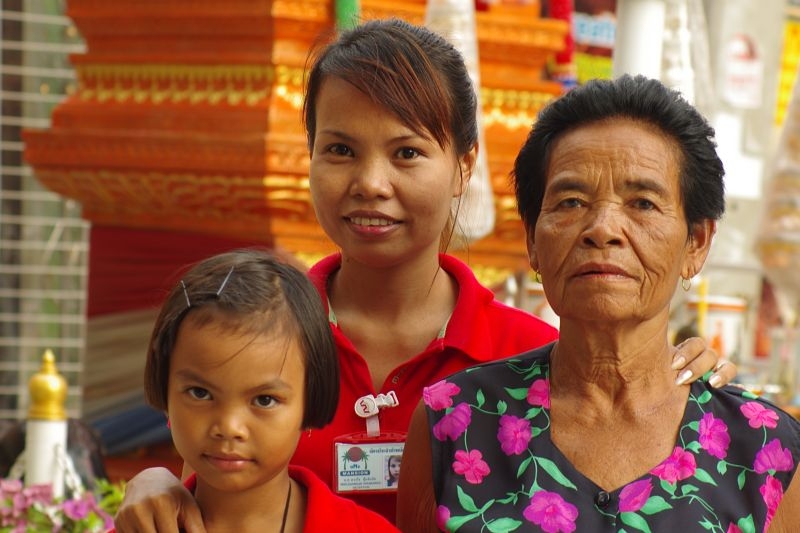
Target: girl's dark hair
(637, 98)
(250, 291)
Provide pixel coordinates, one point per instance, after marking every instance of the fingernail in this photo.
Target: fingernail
(678, 363)
(683, 377)
(715, 381)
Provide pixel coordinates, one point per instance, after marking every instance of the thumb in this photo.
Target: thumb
(189, 514)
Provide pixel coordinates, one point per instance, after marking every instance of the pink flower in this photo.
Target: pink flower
(772, 457)
(733, 528)
(454, 423)
(634, 496)
(78, 509)
(471, 465)
(758, 415)
(772, 492)
(514, 434)
(440, 395)
(551, 512)
(539, 393)
(442, 516)
(679, 465)
(714, 437)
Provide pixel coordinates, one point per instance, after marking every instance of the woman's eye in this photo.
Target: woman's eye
(339, 149)
(264, 401)
(408, 153)
(570, 202)
(644, 204)
(198, 393)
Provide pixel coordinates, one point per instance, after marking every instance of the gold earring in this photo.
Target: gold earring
(686, 283)
(537, 277)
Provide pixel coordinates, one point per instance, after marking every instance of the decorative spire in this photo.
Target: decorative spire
(48, 391)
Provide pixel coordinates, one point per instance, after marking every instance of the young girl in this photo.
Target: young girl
(390, 114)
(242, 360)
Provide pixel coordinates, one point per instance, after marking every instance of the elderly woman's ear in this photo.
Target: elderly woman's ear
(700, 237)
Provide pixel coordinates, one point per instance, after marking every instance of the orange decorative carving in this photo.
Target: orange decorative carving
(187, 116)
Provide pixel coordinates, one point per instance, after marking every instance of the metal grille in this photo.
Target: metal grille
(43, 240)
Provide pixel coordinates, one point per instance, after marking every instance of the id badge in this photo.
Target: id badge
(365, 464)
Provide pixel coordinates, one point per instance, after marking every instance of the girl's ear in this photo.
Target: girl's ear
(466, 164)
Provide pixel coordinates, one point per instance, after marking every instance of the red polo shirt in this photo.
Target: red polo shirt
(481, 329)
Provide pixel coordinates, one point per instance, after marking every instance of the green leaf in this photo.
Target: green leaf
(722, 466)
(502, 525)
(523, 466)
(746, 524)
(694, 446)
(704, 398)
(518, 394)
(466, 501)
(635, 521)
(655, 504)
(535, 432)
(456, 522)
(707, 524)
(501, 407)
(479, 398)
(749, 395)
(669, 488)
(532, 412)
(740, 479)
(550, 467)
(702, 475)
(688, 488)
(693, 425)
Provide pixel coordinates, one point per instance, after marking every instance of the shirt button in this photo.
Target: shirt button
(602, 499)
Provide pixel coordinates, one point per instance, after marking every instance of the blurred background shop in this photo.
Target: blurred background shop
(140, 135)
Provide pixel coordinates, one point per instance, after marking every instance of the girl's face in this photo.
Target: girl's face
(381, 192)
(235, 403)
(394, 467)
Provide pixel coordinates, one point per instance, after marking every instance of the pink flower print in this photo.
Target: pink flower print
(634, 496)
(514, 434)
(454, 423)
(679, 465)
(440, 395)
(551, 512)
(772, 492)
(471, 465)
(442, 516)
(539, 393)
(714, 437)
(758, 415)
(772, 457)
(733, 528)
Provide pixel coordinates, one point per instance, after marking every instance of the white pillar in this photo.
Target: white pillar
(639, 37)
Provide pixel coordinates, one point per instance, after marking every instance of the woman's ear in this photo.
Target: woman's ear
(533, 259)
(466, 163)
(701, 235)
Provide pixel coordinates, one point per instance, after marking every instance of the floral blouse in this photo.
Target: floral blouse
(496, 468)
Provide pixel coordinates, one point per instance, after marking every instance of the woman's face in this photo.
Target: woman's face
(612, 239)
(380, 191)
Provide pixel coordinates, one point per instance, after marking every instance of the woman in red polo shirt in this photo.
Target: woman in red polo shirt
(390, 114)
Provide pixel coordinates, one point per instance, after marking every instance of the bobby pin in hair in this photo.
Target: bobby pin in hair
(224, 281)
(186, 295)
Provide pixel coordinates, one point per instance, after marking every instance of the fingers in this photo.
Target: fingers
(189, 515)
(693, 359)
(724, 372)
(153, 503)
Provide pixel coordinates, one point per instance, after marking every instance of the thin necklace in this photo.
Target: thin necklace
(286, 507)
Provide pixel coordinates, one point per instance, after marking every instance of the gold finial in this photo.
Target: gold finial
(48, 391)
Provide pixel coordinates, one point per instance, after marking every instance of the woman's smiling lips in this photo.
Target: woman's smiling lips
(371, 223)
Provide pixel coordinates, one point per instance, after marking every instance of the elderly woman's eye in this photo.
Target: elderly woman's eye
(570, 202)
(645, 204)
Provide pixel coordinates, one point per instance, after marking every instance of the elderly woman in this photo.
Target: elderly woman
(619, 187)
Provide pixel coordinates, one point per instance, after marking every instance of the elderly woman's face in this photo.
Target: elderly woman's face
(612, 240)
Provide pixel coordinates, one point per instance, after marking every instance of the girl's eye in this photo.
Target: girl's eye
(198, 393)
(264, 401)
(340, 149)
(408, 153)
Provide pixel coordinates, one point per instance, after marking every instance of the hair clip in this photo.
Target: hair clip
(224, 282)
(186, 295)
